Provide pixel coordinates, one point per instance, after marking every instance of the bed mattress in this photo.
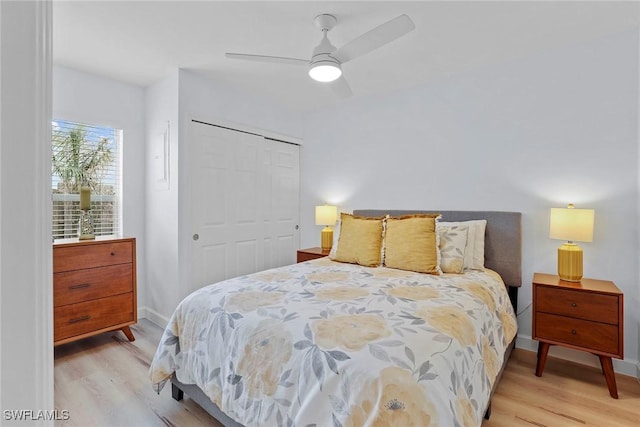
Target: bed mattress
(332, 344)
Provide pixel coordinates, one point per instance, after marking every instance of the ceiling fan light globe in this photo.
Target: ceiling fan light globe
(325, 72)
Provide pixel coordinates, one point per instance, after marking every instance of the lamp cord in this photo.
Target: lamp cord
(524, 309)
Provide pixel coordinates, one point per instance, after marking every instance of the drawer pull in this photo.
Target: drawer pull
(83, 285)
(573, 304)
(573, 331)
(79, 319)
(113, 254)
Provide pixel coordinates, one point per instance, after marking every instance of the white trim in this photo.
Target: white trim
(624, 367)
(25, 238)
(1, 405)
(44, 254)
(153, 316)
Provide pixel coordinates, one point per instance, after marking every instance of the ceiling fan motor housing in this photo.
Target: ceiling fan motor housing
(322, 52)
(323, 67)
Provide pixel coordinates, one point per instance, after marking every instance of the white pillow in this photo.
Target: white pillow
(452, 245)
(474, 249)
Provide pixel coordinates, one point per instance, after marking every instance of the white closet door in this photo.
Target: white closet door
(281, 200)
(244, 203)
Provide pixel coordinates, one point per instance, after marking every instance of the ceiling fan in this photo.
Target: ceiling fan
(326, 61)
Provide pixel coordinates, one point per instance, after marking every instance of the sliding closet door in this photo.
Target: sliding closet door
(244, 203)
(281, 202)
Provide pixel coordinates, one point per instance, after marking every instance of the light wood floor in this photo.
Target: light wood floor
(102, 381)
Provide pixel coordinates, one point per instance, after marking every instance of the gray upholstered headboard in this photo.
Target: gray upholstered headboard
(502, 241)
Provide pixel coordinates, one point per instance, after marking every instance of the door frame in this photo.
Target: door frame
(26, 282)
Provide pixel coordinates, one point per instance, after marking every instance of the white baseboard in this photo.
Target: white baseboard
(153, 316)
(625, 367)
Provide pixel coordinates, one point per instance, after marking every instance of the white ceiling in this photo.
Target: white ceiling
(139, 42)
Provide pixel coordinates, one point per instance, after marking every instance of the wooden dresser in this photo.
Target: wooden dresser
(94, 288)
(585, 315)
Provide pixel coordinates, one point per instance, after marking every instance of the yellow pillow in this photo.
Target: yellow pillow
(360, 240)
(410, 243)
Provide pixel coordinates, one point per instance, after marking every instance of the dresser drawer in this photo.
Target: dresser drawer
(590, 336)
(75, 257)
(71, 287)
(582, 305)
(83, 317)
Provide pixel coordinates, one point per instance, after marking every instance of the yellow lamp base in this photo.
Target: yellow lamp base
(570, 262)
(327, 238)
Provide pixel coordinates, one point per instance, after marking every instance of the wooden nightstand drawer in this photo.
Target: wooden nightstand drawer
(576, 332)
(310, 253)
(578, 304)
(84, 285)
(83, 317)
(72, 257)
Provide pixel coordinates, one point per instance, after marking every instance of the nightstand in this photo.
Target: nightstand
(311, 253)
(585, 315)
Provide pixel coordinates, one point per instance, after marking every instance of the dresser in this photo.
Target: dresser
(310, 253)
(585, 315)
(94, 288)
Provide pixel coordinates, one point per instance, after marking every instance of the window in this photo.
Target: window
(85, 155)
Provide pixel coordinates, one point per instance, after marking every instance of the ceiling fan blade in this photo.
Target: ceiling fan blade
(265, 58)
(340, 87)
(375, 38)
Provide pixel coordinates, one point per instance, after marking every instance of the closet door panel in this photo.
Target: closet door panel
(244, 203)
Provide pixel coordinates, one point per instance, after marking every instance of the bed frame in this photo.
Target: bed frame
(502, 253)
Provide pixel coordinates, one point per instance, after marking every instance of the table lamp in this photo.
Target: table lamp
(326, 215)
(572, 225)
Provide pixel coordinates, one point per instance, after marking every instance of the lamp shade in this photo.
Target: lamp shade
(573, 225)
(326, 215)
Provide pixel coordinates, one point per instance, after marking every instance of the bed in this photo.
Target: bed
(329, 343)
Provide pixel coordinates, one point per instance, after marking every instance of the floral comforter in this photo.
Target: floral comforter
(330, 344)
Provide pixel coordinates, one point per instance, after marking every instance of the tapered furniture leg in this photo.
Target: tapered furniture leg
(127, 331)
(543, 350)
(609, 375)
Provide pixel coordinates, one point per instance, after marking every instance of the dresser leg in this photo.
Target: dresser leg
(609, 375)
(543, 349)
(127, 331)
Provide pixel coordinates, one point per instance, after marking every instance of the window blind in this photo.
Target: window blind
(90, 155)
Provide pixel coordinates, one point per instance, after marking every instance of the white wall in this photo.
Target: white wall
(86, 98)
(26, 288)
(162, 200)
(179, 98)
(526, 135)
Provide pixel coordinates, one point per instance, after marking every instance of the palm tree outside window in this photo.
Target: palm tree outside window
(85, 155)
